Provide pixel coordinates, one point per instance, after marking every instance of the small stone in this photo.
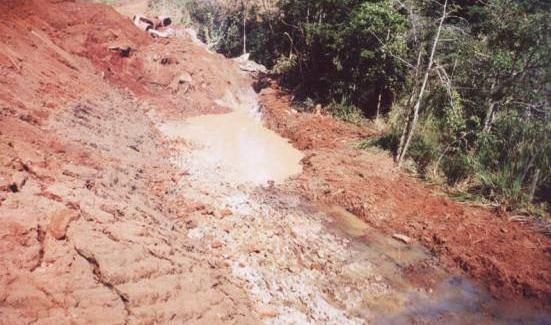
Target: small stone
(18, 180)
(192, 223)
(216, 244)
(318, 109)
(60, 221)
(225, 213)
(252, 248)
(209, 212)
(403, 238)
(124, 50)
(196, 206)
(185, 78)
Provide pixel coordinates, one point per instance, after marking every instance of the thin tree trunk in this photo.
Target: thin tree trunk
(488, 119)
(244, 28)
(408, 104)
(379, 99)
(417, 106)
(440, 157)
(534, 184)
(403, 136)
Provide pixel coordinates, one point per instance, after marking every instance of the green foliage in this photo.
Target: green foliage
(331, 51)
(504, 174)
(484, 121)
(425, 145)
(492, 71)
(346, 112)
(457, 168)
(178, 10)
(342, 50)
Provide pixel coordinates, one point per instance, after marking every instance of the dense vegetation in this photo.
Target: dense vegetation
(463, 86)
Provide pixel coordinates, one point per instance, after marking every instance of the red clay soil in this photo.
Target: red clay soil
(156, 70)
(510, 258)
(91, 228)
(89, 231)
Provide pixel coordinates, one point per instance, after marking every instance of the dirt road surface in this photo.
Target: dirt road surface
(118, 206)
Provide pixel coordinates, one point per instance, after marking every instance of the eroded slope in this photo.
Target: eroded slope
(90, 232)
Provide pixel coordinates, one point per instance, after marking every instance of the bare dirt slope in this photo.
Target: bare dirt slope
(104, 218)
(130, 8)
(89, 232)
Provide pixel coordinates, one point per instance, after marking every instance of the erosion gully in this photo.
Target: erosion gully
(306, 263)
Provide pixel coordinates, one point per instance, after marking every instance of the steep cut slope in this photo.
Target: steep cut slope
(89, 232)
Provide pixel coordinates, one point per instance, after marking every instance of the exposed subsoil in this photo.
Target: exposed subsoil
(104, 218)
(89, 231)
(510, 258)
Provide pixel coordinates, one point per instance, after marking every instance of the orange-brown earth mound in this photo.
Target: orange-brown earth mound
(510, 258)
(89, 232)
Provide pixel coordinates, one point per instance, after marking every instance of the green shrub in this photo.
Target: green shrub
(178, 10)
(346, 112)
(457, 168)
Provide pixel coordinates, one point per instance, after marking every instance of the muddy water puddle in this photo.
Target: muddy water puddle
(452, 299)
(238, 144)
(457, 301)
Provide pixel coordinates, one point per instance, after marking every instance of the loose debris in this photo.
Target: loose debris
(248, 65)
(156, 26)
(403, 238)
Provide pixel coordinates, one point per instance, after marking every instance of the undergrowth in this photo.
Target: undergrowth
(475, 174)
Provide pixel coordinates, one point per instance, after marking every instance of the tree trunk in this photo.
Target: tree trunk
(415, 115)
(244, 28)
(408, 104)
(489, 117)
(379, 99)
(534, 184)
(403, 136)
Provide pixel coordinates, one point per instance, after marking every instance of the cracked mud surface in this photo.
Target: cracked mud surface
(105, 219)
(87, 232)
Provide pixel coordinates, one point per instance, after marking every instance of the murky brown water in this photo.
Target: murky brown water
(238, 143)
(452, 300)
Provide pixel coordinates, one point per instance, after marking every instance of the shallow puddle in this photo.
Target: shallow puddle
(457, 301)
(451, 300)
(375, 245)
(241, 145)
(238, 144)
